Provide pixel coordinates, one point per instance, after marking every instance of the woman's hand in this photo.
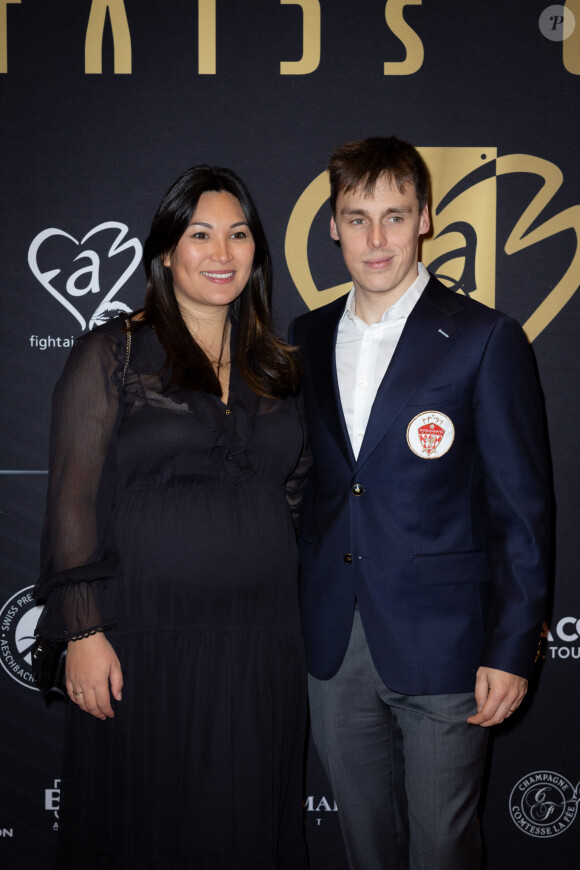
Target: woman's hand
(91, 665)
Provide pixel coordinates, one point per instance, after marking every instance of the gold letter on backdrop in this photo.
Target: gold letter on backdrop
(310, 39)
(4, 34)
(296, 245)
(461, 250)
(121, 37)
(571, 46)
(206, 37)
(412, 42)
(522, 236)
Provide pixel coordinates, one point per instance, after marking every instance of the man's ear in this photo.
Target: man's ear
(425, 222)
(333, 231)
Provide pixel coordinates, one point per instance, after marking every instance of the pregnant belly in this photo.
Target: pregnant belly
(227, 556)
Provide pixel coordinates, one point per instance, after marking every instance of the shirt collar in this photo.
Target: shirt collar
(402, 306)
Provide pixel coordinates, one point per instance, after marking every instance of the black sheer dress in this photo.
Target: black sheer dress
(169, 525)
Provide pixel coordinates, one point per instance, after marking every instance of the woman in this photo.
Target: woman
(170, 562)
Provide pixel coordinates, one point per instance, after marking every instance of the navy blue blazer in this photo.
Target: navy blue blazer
(447, 555)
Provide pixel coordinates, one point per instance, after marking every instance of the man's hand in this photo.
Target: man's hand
(498, 695)
(91, 664)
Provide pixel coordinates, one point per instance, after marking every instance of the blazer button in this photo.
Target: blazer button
(357, 489)
(347, 558)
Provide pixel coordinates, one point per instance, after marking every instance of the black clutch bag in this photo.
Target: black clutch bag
(48, 667)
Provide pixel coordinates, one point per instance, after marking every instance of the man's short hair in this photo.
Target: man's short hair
(359, 165)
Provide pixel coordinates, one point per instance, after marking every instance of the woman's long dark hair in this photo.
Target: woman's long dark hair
(267, 364)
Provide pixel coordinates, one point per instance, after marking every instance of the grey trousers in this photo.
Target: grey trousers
(405, 770)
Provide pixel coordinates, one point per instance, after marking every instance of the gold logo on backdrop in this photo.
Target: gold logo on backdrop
(461, 249)
(121, 37)
(463, 238)
(571, 45)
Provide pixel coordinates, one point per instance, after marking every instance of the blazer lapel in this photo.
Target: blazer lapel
(428, 334)
(322, 352)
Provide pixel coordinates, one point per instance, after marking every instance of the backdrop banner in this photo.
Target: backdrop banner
(104, 104)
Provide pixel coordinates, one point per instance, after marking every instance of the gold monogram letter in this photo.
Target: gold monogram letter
(522, 235)
(412, 42)
(206, 37)
(4, 34)
(310, 39)
(571, 46)
(121, 37)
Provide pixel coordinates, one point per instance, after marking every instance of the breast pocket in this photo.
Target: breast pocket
(432, 398)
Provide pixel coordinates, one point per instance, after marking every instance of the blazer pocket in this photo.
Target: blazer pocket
(441, 569)
(430, 399)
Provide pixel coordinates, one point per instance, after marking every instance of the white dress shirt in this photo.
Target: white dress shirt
(363, 354)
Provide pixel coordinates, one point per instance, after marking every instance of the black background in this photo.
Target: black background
(80, 149)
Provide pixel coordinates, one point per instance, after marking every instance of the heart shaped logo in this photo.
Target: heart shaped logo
(89, 278)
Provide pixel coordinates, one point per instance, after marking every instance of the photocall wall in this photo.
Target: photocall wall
(104, 104)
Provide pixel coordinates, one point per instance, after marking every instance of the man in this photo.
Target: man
(425, 528)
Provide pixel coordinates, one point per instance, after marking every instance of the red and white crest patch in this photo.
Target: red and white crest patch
(430, 434)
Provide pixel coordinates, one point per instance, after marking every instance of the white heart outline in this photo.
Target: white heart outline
(116, 247)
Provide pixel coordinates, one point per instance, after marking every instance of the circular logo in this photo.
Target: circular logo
(18, 619)
(557, 23)
(543, 804)
(430, 434)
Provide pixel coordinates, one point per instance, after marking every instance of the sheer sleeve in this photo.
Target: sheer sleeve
(298, 480)
(79, 561)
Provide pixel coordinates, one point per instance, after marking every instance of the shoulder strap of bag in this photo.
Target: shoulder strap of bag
(127, 348)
